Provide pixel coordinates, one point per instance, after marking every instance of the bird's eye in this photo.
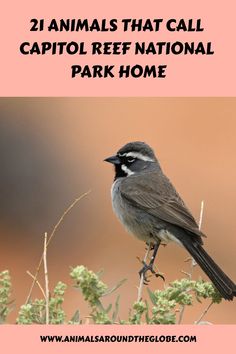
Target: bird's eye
(130, 159)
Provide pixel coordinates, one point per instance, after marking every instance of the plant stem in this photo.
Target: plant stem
(193, 263)
(204, 313)
(46, 277)
(49, 240)
(140, 288)
(37, 282)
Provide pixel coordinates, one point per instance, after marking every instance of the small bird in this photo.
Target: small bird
(149, 207)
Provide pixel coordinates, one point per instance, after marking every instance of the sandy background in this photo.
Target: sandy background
(52, 150)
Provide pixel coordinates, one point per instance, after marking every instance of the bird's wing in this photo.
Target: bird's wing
(159, 198)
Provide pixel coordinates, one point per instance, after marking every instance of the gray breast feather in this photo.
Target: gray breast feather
(139, 223)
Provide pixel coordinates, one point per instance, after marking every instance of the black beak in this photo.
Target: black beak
(113, 159)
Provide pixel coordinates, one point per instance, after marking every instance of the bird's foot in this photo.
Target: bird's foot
(145, 269)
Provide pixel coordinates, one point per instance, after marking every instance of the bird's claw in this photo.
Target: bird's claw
(149, 267)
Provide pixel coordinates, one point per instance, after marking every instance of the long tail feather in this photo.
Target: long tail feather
(222, 282)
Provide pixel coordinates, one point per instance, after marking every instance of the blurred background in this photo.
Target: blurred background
(52, 151)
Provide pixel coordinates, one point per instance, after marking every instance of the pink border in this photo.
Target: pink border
(213, 339)
(186, 75)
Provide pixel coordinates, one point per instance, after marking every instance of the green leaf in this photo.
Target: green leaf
(108, 309)
(100, 273)
(148, 320)
(75, 318)
(100, 306)
(152, 296)
(110, 291)
(115, 313)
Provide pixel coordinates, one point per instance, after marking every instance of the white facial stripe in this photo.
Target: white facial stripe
(137, 155)
(127, 170)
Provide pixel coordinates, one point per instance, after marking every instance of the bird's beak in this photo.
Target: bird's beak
(113, 159)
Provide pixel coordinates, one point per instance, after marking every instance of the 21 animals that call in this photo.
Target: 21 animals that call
(105, 25)
(149, 207)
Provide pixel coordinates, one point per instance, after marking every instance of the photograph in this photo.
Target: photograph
(117, 210)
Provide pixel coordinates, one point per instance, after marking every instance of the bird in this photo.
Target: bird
(150, 208)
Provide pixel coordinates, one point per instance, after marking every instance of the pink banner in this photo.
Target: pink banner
(29, 69)
(104, 339)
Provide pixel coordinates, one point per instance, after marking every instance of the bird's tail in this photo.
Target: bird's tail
(222, 282)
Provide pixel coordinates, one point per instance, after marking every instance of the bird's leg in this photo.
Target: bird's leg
(149, 246)
(149, 266)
